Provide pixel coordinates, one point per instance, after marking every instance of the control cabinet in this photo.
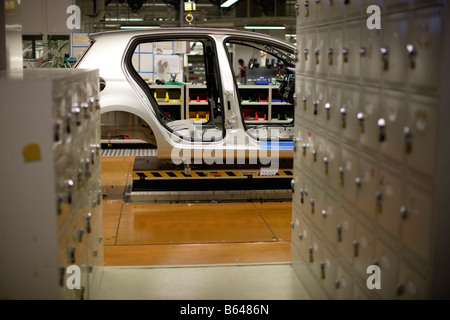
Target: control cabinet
(51, 218)
(371, 141)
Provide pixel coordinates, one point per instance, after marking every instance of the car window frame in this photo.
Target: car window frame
(127, 60)
(246, 41)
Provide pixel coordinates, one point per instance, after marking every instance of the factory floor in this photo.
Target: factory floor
(267, 281)
(189, 250)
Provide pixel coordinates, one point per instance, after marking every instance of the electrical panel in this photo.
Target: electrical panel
(51, 220)
(371, 147)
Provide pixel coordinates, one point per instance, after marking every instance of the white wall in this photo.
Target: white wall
(45, 16)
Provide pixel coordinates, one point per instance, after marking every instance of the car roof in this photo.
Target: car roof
(187, 31)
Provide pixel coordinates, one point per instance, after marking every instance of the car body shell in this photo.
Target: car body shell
(122, 93)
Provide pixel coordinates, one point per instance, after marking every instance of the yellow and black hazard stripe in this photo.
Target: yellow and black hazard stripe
(150, 175)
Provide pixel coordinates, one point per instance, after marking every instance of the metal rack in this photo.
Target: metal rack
(51, 185)
(369, 180)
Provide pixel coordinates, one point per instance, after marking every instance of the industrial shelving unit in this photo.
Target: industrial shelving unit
(51, 221)
(263, 104)
(197, 106)
(171, 99)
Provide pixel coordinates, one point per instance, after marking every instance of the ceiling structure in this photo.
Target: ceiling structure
(102, 15)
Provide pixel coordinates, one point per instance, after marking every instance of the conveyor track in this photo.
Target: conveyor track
(155, 180)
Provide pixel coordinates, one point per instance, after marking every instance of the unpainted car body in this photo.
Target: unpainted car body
(126, 95)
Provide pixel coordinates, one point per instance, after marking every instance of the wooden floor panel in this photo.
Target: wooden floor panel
(188, 254)
(188, 233)
(278, 216)
(112, 210)
(191, 223)
(116, 172)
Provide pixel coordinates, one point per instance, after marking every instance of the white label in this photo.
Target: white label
(268, 172)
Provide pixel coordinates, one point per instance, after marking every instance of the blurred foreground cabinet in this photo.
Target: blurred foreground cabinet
(51, 219)
(372, 154)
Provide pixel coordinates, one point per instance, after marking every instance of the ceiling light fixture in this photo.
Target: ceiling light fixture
(228, 3)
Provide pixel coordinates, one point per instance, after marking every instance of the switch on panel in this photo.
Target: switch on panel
(329, 214)
(311, 45)
(343, 112)
(304, 240)
(384, 58)
(339, 232)
(322, 270)
(322, 99)
(345, 55)
(316, 54)
(341, 176)
(296, 141)
(69, 190)
(331, 163)
(330, 56)
(351, 106)
(348, 173)
(76, 111)
(316, 204)
(367, 186)
(360, 116)
(382, 129)
(321, 52)
(368, 118)
(314, 155)
(316, 254)
(332, 107)
(301, 47)
(408, 139)
(379, 201)
(335, 61)
(306, 8)
(327, 110)
(308, 99)
(316, 105)
(326, 162)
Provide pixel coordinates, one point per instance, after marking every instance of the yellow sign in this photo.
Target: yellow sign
(190, 6)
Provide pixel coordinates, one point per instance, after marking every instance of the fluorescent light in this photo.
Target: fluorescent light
(139, 27)
(124, 19)
(228, 3)
(265, 27)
